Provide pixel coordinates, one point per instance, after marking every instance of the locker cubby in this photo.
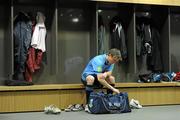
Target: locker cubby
(5, 41)
(174, 39)
(157, 18)
(76, 39)
(109, 14)
(45, 74)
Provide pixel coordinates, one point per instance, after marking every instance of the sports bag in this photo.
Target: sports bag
(100, 103)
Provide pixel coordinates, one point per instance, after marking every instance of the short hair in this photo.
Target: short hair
(115, 53)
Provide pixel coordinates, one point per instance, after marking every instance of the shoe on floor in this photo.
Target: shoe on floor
(52, 109)
(86, 109)
(69, 108)
(135, 104)
(78, 107)
(75, 107)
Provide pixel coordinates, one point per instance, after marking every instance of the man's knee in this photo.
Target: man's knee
(111, 80)
(90, 80)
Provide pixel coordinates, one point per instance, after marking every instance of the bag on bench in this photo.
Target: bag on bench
(100, 103)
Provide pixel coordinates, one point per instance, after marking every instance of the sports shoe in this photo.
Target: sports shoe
(86, 109)
(135, 104)
(75, 107)
(78, 107)
(52, 109)
(69, 108)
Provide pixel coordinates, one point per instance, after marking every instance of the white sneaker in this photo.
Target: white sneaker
(86, 109)
(135, 104)
(52, 109)
(78, 107)
(69, 108)
(75, 107)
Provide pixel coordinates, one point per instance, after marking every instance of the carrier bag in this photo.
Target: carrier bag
(100, 103)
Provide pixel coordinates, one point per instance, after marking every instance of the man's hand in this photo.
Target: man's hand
(116, 90)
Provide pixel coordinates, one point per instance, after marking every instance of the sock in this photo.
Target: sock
(109, 91)
(89, 89)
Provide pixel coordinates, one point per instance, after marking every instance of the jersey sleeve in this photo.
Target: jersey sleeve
(97, 68)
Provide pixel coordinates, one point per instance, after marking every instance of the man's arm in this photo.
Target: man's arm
(105, 83)
(108, 73)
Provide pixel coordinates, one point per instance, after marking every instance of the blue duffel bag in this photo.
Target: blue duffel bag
(101, 103)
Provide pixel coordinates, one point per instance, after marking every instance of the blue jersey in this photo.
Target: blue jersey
(97, 65)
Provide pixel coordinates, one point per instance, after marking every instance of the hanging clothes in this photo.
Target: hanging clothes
(117, 36)
(33, 62)
(35, 53)
(154, 61)
(103, 40)
(22, 38)
(148, 43)
(143, 39)
(118, 39)
(39, 34)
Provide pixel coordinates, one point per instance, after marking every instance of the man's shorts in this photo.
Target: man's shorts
(96, 83)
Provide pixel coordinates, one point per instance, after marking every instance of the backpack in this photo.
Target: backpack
(100, 103)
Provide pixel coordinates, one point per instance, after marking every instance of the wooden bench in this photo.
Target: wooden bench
(36, 97)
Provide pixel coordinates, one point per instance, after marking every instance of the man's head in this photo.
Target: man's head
(114, 55)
